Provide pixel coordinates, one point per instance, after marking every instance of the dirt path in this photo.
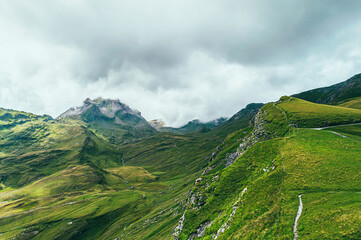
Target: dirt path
(321, 128)
(299, 212)
(339, 134)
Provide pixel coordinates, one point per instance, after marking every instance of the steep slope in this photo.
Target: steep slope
(276, 165)
(334, 94)
(111, 118)
(240, 120)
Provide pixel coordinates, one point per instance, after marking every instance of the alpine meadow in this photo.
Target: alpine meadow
(249, 120)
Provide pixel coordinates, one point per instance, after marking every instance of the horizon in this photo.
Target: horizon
(162, 120)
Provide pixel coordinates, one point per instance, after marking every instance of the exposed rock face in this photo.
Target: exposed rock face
(106, 109)
(157, 124)
(178, 229)
(228, 223)
(231, 157)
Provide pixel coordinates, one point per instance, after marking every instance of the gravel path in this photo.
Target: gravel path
(299, 212)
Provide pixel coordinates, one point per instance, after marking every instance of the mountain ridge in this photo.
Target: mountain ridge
(85, 176)
(334, 94)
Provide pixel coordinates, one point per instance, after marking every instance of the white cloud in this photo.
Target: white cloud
(176, 60)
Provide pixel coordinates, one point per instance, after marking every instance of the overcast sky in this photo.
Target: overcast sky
(173, 60)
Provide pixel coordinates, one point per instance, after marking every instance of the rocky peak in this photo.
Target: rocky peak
(106, 107)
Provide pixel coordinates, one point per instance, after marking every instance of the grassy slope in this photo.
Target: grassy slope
(323, 167)
(95, 190)
(352, 103)
(64, 181)
(334, 94)
(275, 172)
(307, 114)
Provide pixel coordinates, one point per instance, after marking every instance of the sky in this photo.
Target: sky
(173, 60)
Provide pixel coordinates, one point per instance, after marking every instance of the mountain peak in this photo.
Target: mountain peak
(105, 107)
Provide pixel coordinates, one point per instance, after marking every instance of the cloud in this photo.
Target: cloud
(175, 60)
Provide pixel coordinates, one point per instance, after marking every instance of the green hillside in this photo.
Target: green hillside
(94, 178)
(352, 103)
(334, 94)
(257, 196)
(61, 180)
(307, 114)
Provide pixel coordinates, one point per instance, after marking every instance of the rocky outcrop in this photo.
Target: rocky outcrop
(107, 107)
(207, 183)
(157, 124)
(228, 223)
(109, 110)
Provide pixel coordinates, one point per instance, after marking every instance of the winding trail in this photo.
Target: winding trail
(341, 125)
(299, 212)
(339, 134)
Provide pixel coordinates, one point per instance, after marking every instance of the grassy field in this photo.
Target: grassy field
(307, 114)
(352, 103)
(352, 131)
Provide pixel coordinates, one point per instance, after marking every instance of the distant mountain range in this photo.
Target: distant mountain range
(282, 170)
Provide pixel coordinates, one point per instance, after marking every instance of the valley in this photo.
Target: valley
(288, 169)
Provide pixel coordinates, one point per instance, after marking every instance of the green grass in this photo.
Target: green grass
(352, 103)
(132, 174)
(57, 172)
(352, 131)
(331, 215)
(307, 114)
(67, 179)
(322, 161)
(306, 161)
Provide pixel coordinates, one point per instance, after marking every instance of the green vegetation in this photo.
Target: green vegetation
(352, 131)
(334, 94)
(89, 177)
(352, 103)
(62, 180)
(256, 197)
(307, 114)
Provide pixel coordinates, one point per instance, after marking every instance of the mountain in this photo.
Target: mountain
(106, 110)
(335, 94)
(115, 120)
(194, 126)
(259, 180)
(287, 169)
